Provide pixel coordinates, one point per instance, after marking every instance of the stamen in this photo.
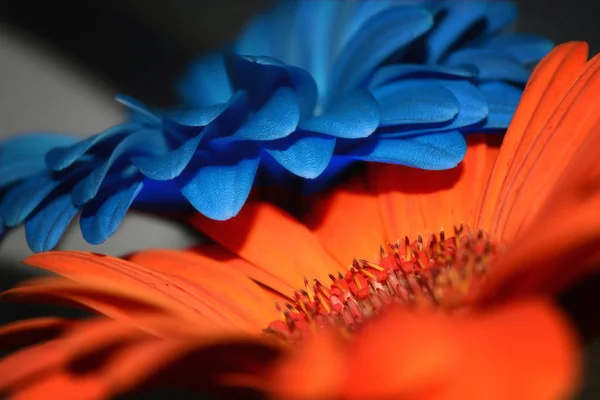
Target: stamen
(438, 272)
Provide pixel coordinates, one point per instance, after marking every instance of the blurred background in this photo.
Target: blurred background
(62, 62)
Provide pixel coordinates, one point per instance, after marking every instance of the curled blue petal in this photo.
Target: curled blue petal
(456, 20)
(138, 107)
(102, 216)
(314, 28)
(144, 141)
(20, 201)
(260, 76)
(434, 152)
(196, 117)
(503, 100)
(206, 82)
(500, 14)
(168, 165)
(161, 195)
(490, 65)
(382, 35)
(360, 13)
(45, 228)
(276, 119)
(526, 48)
(336, 167)
(390, 73)
(255, 38)
(23, 155)
(355, 116)
(218, 186)
(416, 101)
(61, 157)
(305, 154)
(473, 109)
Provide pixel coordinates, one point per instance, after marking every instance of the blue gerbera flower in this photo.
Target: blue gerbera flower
(307, 89)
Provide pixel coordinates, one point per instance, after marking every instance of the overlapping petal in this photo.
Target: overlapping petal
(308, 89)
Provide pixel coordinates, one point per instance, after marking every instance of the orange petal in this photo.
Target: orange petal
(222, 281)
(214, 253)
(562, 244)
(29, 364)
(539, 111)
(524, 351)
(273, 241)
(108, 298)
(168, 364)
(26, 369)
(552, 150)
(175, 291)
(86, 338)
(64, 386)
(111, 357)
(414, 201)
(314, 370)
(31, 331)
(347, 221)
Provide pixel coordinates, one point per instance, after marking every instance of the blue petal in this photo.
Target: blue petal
(21, 200)
(276, 119)
(260, 76)
(390, 73)
(337, 165)
(269, 34)
(102, 216)
(490, 65)
(44, 229)
(526, 48)
(500, 14)
(137, 107)
(381, 36)
(304, 154)
(255, 39)
(234, 114)
(218, 187)
(60, 158)
(458, 18)
(355, 116)
(473, 109)
(23, 155)
(360, 13)
(435, 151)
(416, 101)
(503, 100)
(206, 82)
(314, 29)
(197, 117)
(144, 141)
(169, 165)
(157, 195)
(473, 106)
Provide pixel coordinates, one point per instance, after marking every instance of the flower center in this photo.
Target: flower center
(435, 273)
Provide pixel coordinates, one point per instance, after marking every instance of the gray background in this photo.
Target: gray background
(62, 62)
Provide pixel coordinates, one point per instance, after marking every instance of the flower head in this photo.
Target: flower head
(461, 313)
(309, 88)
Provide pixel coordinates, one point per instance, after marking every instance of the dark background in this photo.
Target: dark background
(141, 46)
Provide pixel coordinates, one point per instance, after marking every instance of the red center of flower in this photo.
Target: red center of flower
(435, 273)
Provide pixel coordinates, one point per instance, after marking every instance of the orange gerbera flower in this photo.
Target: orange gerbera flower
(460, 314)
